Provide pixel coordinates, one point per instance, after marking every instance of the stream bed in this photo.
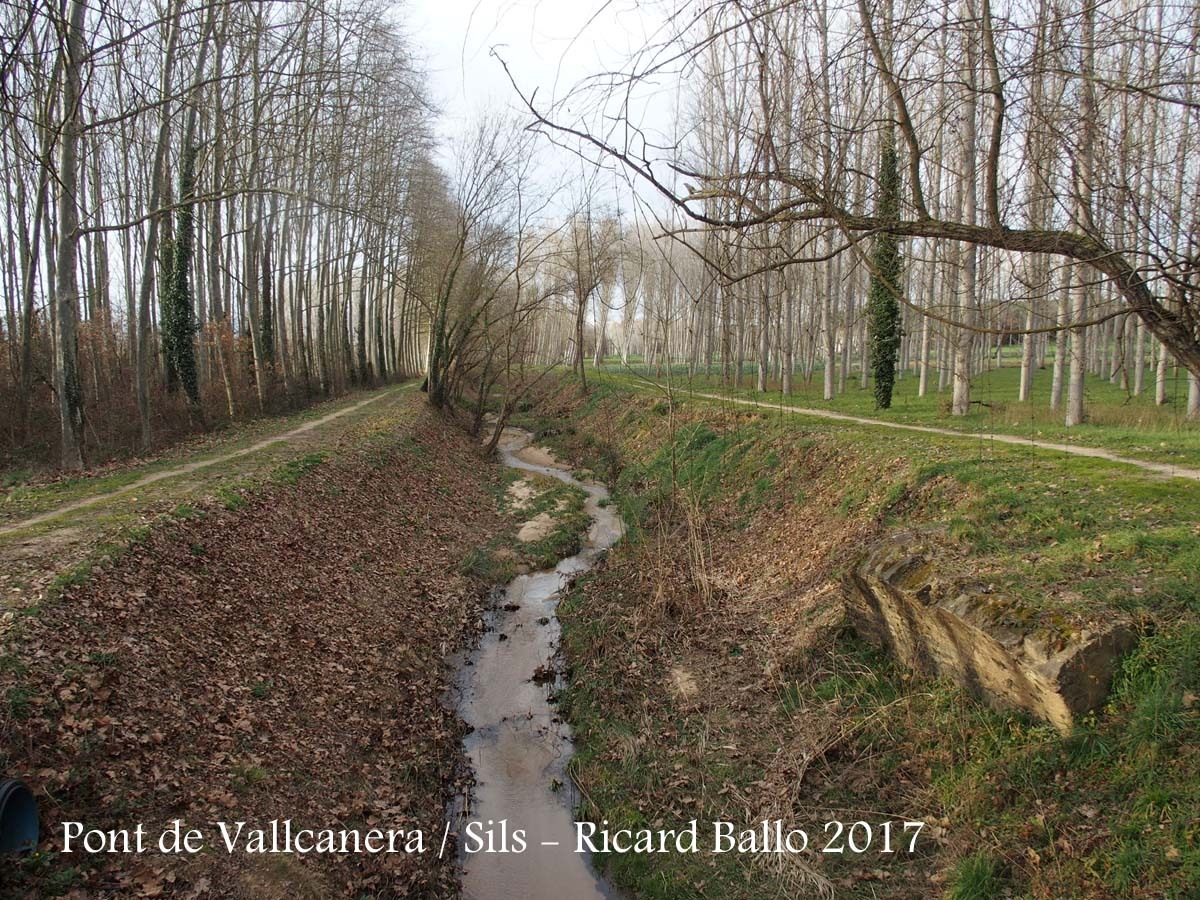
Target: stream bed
(518, 747)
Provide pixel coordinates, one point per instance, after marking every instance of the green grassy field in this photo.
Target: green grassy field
(1116, 420)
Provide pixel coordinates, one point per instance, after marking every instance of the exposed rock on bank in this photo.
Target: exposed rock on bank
(941, 627)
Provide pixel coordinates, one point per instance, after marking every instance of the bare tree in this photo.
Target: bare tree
(1033, 90)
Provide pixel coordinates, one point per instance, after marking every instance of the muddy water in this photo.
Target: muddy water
(518, 748)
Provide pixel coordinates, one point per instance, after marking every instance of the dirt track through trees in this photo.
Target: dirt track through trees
(188, 468)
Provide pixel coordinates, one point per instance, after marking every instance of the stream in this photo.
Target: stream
(518, 747)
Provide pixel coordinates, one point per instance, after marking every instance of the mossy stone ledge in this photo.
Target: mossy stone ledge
(939, 625)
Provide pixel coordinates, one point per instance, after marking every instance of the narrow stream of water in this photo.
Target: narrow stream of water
(518, 746)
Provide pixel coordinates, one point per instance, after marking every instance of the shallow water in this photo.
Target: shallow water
(518, 748)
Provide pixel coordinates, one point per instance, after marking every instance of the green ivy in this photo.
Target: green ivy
(883, 308)
(178, 325)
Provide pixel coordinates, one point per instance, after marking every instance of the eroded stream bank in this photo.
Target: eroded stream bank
(719, 670)
(519, 747)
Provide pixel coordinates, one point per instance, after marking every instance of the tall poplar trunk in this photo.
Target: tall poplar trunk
(964, 339)
(66, 288)
(150, 252)
(1084, 161)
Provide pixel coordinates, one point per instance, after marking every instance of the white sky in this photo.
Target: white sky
(549, 45)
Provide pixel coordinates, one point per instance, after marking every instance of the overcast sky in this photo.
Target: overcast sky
(549, 45)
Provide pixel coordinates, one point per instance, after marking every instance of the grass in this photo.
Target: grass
(976, 877)
(499, 561)
(18, 703)
(23, 499)
(1106, 810)
(235, 495)
(244, 777)
(295, 469)
(484, 564)
(615, 783)
(44, 871)
(1116, 420)
(1055, 534)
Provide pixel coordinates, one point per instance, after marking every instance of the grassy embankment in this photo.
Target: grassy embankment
(1116, 419)
(714, 677)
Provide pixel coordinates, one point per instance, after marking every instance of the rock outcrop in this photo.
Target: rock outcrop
(937, 626)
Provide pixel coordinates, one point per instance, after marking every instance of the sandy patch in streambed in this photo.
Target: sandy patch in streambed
(536, 528)
(521, 493)
(539, 456)
(540, 525)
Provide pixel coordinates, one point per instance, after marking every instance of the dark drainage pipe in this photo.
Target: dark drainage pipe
(18, 817)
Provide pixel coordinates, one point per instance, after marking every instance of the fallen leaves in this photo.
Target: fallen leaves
(294, 669)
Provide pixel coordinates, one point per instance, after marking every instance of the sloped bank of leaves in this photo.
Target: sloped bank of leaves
(281, 660)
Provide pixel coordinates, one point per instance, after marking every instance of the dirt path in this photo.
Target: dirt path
(188, 468)
(1165, 469)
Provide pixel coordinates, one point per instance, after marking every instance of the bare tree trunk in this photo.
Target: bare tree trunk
(828, 328)
(157, 178)
(1028, 342)
(1084, 160)
(964, 339)
(66, 289)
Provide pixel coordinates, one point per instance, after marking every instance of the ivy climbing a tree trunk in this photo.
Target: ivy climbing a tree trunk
(178, 318)
(883, 307)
